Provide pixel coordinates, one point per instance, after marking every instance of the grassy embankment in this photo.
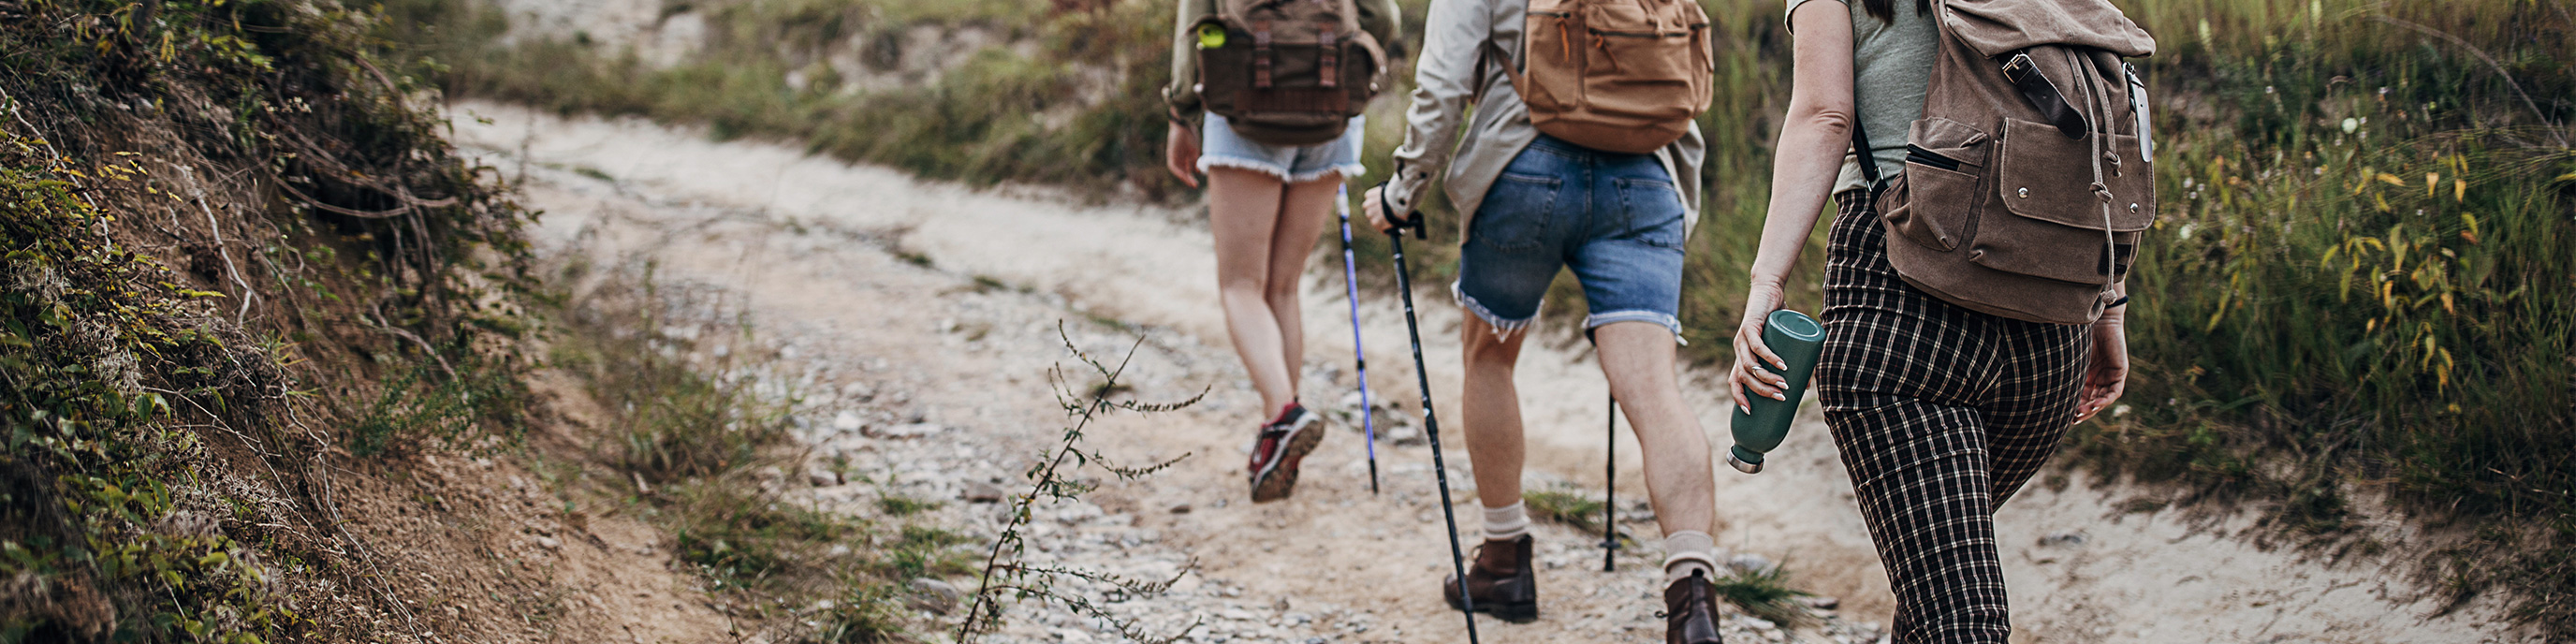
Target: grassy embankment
(190, 333)
(250, 294)
(2357, 284)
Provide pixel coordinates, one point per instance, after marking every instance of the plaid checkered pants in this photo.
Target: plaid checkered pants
(1941, 414)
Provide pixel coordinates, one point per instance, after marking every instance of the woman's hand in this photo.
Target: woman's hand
(2107, 370)
(1181, 154)
(1751, 354)
(1374, 202)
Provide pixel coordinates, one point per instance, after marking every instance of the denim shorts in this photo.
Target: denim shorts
(1615, 219)
(1220, 147)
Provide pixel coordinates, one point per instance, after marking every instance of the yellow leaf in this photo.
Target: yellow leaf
(2391, 179)
(2446, 305)
(2431, 180)
(2459, 190)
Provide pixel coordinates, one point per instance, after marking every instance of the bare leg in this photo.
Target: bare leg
(1302, 214)
(1490, 410)
(1243, 212)
(1637, 357)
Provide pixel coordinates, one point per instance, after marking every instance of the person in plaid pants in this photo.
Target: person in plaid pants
(1940, 412)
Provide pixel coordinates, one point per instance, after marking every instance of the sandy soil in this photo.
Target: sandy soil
(811, 244)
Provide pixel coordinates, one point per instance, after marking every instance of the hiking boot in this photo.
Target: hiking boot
(1501, 581)
(1690, 611)
(1283, 443)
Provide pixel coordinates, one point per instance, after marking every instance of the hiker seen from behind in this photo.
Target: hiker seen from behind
(1265, 101)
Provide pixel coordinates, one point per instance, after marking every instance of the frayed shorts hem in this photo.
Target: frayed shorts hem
(1596, 321)
(1503, 327)
(1212, 162)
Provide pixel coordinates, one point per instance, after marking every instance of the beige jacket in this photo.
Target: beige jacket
(1455, 38)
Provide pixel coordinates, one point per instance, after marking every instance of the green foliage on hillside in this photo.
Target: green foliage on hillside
(137, 396)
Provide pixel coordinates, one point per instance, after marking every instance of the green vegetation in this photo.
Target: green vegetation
(90, 474)
(1564, 505)
(1764, 593)
(701, 444)
(166, 477)
(2357, 285)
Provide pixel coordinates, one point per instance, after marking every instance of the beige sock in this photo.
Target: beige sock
(1507, 522)
(1687, 551)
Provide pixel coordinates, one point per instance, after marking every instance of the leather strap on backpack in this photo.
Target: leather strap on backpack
(1261, 55)
(2035, 87)
(1328, 57)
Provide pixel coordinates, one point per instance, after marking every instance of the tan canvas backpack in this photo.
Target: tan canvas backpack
(1615, 75)
(2029, 178)
(1287, 72)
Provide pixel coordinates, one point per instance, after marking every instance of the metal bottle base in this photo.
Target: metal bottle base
(1740, 465)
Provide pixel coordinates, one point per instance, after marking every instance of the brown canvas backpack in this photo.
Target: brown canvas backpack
(1615, 75)
(2029, 178)
(1287, 72)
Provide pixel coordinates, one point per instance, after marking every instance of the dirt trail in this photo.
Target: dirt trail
(807, 243)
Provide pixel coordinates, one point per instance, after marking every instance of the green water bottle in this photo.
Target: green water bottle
(1798, 340)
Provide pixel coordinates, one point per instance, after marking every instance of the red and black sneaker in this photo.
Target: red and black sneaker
(1284, 442)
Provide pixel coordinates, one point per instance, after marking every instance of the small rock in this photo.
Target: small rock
(1749, 563)
(550, 543)
(1073, 637)
(847, 421)
(982, 492)
(1281, 605)
(1821, 602)
(821, 477)
(914, 429)
(2069, 538)
(1183, 508)
(933, 595)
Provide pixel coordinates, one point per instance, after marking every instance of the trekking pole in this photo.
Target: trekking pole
(1610, 492)
(1430, 421)
(1351, 280)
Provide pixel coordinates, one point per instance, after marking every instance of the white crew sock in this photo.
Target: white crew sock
(1689, 550)
(1507, 522)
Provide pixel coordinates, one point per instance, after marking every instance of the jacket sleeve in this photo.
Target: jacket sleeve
(1384, 21)
(1182, 95)
(1444, 79)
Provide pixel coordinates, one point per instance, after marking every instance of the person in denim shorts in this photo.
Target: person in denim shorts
(1267, 205)
(1536, 205)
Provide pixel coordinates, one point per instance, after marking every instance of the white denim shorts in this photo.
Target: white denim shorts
(1220, 147)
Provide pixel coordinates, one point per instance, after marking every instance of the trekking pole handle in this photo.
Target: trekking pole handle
(1411, 220)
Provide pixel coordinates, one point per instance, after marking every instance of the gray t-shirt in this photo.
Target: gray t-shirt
(1893, 63)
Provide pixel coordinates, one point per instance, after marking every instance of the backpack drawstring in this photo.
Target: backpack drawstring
(2096, 102)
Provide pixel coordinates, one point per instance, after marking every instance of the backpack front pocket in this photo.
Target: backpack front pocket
(2052, 223)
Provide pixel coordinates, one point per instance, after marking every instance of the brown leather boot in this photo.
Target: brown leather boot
(1690, 611)
(1501, 581)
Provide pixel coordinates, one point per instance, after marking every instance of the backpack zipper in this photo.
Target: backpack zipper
(1917, 154)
